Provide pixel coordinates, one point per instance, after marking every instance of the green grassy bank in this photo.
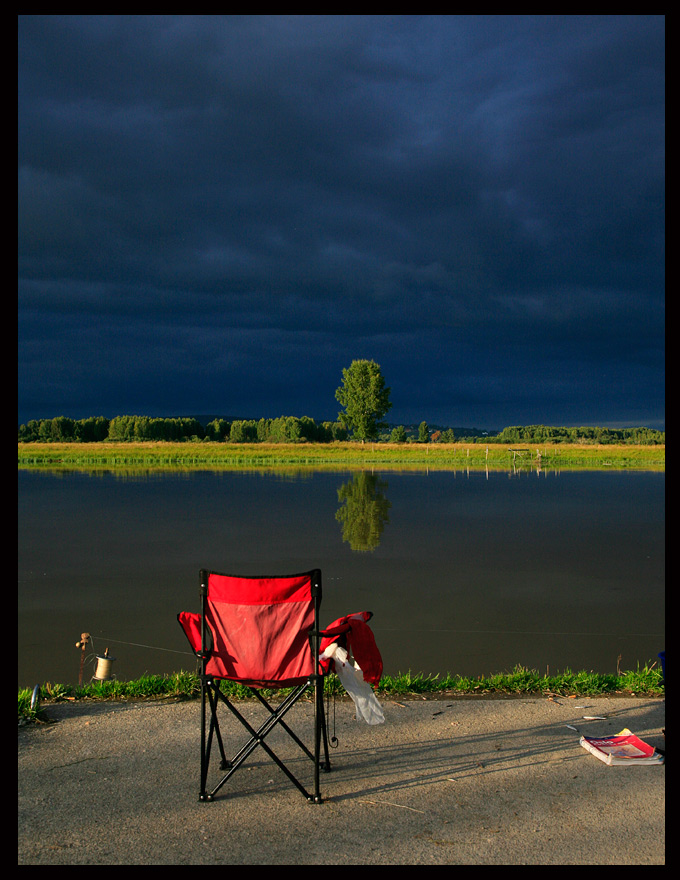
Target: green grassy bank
(644, 681)
(438, 456)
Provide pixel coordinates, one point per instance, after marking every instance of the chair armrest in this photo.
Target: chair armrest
(191, 626)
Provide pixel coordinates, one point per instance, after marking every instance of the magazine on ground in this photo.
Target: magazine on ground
(623, 749)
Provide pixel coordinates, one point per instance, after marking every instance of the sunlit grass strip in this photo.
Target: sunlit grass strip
(264, 455)
(644, 681)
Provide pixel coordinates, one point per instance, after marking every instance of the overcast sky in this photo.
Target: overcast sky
(219, 213)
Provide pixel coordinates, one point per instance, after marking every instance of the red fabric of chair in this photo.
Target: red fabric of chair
(259, 629)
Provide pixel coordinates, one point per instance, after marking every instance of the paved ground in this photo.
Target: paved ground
(453, 782)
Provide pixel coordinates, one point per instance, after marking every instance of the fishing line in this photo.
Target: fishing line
(150, 647)
(521, 632)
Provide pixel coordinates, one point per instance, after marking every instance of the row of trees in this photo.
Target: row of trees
(62, 429)
(291, 429)
(402, 435)
(365, 400)
(286, 429)
(585, 435)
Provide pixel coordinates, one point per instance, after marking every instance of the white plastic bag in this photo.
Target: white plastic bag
(352, 679)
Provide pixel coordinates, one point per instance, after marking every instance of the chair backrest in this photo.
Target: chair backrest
(260, 626)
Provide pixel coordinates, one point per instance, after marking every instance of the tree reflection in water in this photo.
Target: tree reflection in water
(363, 511)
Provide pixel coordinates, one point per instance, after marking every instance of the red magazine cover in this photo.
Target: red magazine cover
(622, 749)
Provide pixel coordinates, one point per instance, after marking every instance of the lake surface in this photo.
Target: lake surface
(467, 573)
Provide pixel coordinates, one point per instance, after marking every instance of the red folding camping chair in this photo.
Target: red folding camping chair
(264, 633)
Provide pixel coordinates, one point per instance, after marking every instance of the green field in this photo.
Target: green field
(455, 456)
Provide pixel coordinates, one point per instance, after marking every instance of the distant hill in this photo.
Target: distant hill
(458, 431)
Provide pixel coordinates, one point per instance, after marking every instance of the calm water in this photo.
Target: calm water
(465, 573)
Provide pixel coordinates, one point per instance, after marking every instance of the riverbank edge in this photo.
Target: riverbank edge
(643, 682)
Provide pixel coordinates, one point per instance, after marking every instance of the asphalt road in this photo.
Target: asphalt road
(446, 782)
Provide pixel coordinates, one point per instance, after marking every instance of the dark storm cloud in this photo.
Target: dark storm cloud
(217, 213)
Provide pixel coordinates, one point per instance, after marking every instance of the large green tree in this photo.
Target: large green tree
(365, 399)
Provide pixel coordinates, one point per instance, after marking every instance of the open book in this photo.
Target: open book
(623, 749)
